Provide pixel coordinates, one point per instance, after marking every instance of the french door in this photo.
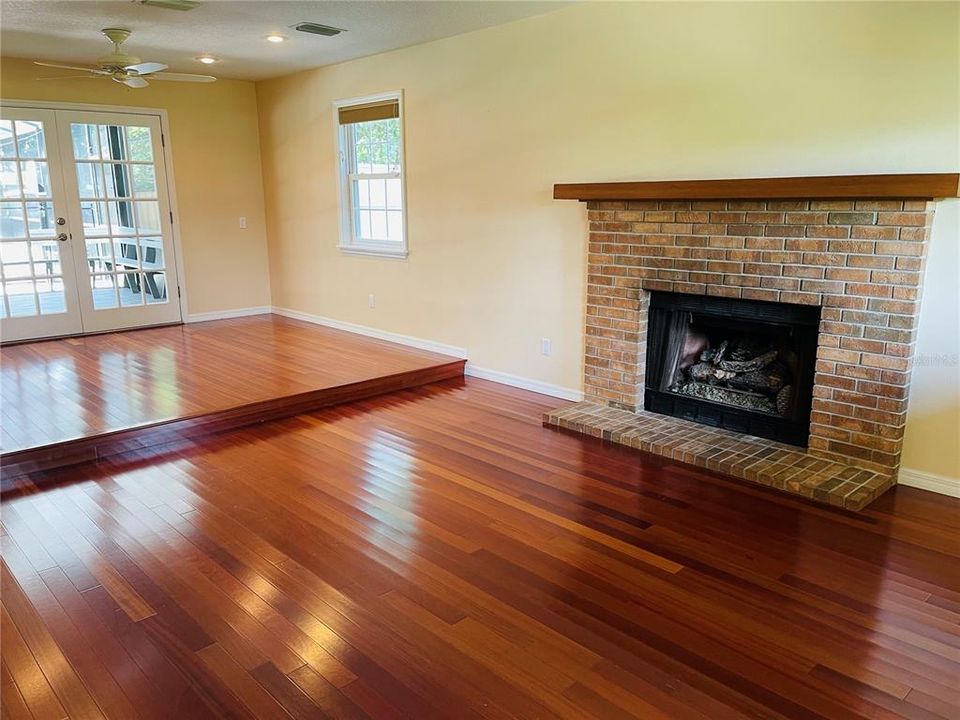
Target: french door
(37, 268)
(86, 241)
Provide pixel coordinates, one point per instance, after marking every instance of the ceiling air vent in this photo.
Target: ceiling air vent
(172, 4)
(317, 29)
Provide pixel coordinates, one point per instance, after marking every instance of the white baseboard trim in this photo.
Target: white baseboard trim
(929, 481)
(471, 369)
(227, 314)
(408, 340)
(523, 383)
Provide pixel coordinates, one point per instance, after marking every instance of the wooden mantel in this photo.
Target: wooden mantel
(916, 186)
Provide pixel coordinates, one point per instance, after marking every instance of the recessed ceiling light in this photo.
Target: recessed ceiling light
(207, 59)
(276, 38)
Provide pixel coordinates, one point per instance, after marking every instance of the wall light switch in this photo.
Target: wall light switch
(243, 223)
(546, 346)
(371, 300)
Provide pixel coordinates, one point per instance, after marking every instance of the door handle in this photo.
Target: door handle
(62, 237)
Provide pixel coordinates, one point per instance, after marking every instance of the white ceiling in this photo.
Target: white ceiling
(234, 30)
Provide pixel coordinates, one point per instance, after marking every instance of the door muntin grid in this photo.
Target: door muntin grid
(121, 215)
(31, 268)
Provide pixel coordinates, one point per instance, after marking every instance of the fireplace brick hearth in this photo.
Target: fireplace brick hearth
(766, 462)
(860, 260)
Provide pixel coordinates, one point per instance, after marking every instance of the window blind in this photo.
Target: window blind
(382, 110)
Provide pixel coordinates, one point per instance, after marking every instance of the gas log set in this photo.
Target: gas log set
(743, 365)
(744, 372)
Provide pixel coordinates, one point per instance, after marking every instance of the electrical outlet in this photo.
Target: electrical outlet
(243, 223)
(546, 346)
(371, 301)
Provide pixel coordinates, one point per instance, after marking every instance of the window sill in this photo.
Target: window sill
(387, 252)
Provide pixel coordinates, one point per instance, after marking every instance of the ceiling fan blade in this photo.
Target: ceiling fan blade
(70, 77)
(183, 77)
(133, 81)
(95, 71)
(146, 68)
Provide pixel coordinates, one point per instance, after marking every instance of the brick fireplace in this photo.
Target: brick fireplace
(858, 258)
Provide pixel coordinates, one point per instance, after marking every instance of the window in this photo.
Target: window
(372, 206)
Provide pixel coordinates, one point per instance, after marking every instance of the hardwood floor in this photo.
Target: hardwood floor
(437, 553)
(82, 398)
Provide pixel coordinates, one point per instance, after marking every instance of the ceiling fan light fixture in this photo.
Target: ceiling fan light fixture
(318, 29)
(276, 38)
(207, 59)
(127, 69)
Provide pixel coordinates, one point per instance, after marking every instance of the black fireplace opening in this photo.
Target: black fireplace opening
(743, 365)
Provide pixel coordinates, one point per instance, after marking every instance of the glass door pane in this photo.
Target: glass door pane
(124, 215)
(37, 277)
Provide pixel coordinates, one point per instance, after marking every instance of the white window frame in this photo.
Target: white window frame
(349, 242)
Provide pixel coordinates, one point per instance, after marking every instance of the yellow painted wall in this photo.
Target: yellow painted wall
(216, 159)
(606, 91)
(932, 442)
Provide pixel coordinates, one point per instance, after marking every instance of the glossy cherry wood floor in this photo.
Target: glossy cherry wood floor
(60, 390)
(437, 553)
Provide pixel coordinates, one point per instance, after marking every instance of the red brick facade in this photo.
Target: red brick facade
(861, 261)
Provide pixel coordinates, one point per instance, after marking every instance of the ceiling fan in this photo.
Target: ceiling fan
(126, 69)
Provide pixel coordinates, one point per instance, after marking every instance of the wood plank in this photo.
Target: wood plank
(438, 553)
(22, 618)
(25, 673)
(902, 186)
(13, 706)
(258, 701)
(72, 401)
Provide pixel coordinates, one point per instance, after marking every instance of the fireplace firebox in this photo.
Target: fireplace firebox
(743, 365)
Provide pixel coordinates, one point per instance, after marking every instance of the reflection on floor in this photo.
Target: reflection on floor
(24, 305)
(437, 553)
(59, 390)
